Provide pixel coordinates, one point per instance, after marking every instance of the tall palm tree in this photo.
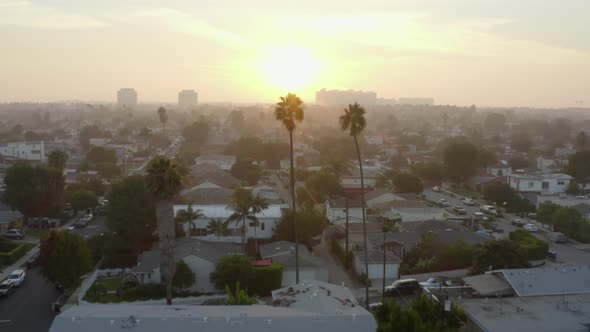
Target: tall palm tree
(57, 159)
(163, 115)
(218, 227)
(189, 215)
(145, 133)
(353, 121)
(164, 182)
(289, 111)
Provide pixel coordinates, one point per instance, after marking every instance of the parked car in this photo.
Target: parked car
(444, 202)
(532, 216)
(485, 233)
(15, 234)
(469, 202)
(478, 216)
(403, 287)
(488, 209)
(6, 287)
(459, 209)
(436, 282)
(496, 228)
(531, 228)
(436, 189)
(17, 277)
(518, 222)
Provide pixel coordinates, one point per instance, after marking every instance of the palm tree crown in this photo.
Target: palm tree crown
(353, 119)
(163, 179)
(245, 206)
(189, 215)
(218, 227)
(163, 115)
(289, 111)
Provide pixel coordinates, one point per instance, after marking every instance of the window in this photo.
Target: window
(561, 183)
(252, 224)
(262, 226)
(531, 184)
(545, 185)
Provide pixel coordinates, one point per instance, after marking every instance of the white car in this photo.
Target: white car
(436, 282)
(531, 228)
(469, 202)
(6, 287)
(444, 202)
(17, 277)
(436, 189)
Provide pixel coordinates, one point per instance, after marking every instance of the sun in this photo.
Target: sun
(289, 68)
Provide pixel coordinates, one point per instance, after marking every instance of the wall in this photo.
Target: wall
(306, 273)
(376, 271)
(338, 215)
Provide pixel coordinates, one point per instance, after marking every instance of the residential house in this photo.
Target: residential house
(381, 197)
(580, 203)
(200, 256)
(554, 183)
(214, 175)
(336, 210)
(499, 169)
(352, 183)
(545, 165)
(310, 267)
(222, 162)
(308, 306)
(268, 193)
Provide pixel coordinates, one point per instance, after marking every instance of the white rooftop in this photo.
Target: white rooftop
(557, 280)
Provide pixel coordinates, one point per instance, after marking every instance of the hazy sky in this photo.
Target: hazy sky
(497, 52)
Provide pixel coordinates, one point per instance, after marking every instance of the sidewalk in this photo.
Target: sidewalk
(7, 270)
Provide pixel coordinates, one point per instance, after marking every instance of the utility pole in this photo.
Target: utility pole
(346, 257)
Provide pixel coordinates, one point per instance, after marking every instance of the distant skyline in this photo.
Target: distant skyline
(489, 52)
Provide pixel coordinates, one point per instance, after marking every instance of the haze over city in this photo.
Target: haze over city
(489, 53)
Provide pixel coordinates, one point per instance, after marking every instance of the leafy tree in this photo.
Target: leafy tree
(131, 214)
(196, 133)
(519, 162)
(521, 143)
(184, 276)
(310, 222)
(581, 141)
(579, 166)
(98, 154)
(546, 211)
(289, 111)
(64, 258)
(503, 195)
(353, 121)
(163, 181)
(385, 180)
(35, 191)
(429, 171)
(460, 161)
(323, 185)
(486, 157)
(88, 132)
(57, 159)
(108, 170)
(189, 215)
(498, 254)
(218, 227)
(422, 315)
(407, 183)
(573, 188)
(232, 269)
(163, 116)
(145, 133)
(246, 170)
(84, 199)
(246, 206)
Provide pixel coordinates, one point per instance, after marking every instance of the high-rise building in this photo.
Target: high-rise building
(345, 97)
(127, 97)
(188, 98)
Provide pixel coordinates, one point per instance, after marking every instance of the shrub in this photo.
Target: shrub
(265, 279)
(17, 251)
(340, 253)
(534, 248)
(232, 269)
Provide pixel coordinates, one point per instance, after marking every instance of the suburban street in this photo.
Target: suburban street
(29, 307)
(95, 227)
(566, 252)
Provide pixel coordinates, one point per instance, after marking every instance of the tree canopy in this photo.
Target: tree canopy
(84, 199)
(184, 276)
(503, 195)
(429, 171)
(460, 161)
(407, 183)
(232, 269)
(310, 223)
(322, 185)
(579, 166)
(498, 254)
(246, 170)
(64, 258)
(57, 159)
(99, 154)
(132, 212)
(35, 191)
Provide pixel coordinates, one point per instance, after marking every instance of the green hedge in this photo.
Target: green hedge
(13, 255)
(534, 247)
(265, 279)
(340, 253)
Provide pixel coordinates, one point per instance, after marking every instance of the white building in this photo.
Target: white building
(555, 183)
(499, 169)
(127, 98)
(267, 219)
(34, 151)
(188, 98)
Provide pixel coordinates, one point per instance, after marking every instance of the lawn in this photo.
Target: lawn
(111, 284)
(39, 233)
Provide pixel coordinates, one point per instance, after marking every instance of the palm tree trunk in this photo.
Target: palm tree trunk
(255, 240)
(383, 283)
(244, 235)
(358, 153)
(165, 220)
(294, 207)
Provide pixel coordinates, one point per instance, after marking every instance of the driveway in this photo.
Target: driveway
(336, 273)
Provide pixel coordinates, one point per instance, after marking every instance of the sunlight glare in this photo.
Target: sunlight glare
(290, 68)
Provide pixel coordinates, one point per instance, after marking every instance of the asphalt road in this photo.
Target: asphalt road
(95, 227)
(28, 308)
